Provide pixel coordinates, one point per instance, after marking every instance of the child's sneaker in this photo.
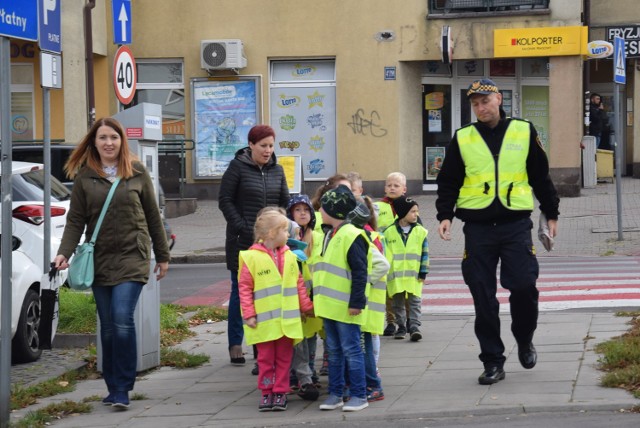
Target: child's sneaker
(308, 392)
(255, 370)
(374, 395)
(390, 330)
(400, 333)
(414, 334)
(332, 403)
(279, 402)
(355, 404)
(266, 403)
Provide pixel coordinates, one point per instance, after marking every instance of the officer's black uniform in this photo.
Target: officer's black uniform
(498, 233)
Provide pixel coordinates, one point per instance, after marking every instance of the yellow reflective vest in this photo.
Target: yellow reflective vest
(377, 298)
(386, 216)
(405, 260)
(275, 297)
(485, 180)
(311, 325)
(332, 278)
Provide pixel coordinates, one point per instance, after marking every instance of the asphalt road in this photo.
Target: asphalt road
(187, 279)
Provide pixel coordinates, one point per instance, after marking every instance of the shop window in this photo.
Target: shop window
(502, 67)
(436, 68)
(535, 67)
(470, 68)
(22, 104)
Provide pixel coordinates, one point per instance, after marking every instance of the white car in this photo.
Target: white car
(28, 281)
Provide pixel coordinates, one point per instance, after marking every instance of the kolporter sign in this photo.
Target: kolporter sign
(545, 41)
(631, 36)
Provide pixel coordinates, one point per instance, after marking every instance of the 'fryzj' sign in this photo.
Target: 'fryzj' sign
(631, 36)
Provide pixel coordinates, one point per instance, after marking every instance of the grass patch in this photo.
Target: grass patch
(621, 358)
(22, 397)
(172, 357)
(41, 418)
(174, 328)
(209, 314)
(77, 312)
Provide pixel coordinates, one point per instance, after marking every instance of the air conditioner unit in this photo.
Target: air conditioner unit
(222, 54)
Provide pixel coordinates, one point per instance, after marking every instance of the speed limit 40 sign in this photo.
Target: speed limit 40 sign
(124, 75)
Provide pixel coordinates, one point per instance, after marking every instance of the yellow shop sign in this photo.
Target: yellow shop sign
(545, 41)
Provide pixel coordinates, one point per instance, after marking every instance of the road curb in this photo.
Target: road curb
(193, 258)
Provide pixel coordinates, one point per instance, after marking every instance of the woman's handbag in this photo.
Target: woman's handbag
(81, 267)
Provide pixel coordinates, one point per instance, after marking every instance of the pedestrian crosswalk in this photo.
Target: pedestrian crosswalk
(564, 283)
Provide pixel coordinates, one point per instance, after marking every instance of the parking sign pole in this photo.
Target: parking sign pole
(5, 254)
(46, 124)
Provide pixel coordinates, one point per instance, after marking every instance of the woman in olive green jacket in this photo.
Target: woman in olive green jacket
(131, 226)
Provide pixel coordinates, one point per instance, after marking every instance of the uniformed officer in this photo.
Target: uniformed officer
(491, 172)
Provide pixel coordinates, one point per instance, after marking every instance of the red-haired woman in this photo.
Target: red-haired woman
(252, 181)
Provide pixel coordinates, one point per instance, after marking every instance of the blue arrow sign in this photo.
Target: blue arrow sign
(619, 61)
(19, 19)
(121, 22)
(50, 38)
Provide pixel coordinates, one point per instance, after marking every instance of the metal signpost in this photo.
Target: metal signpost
(50, 75)
(619, 78)
(18, 19)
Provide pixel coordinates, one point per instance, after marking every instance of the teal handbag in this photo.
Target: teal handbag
(81, 271)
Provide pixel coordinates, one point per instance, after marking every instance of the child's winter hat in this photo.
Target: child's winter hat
(360, 215)
(403, 205)
(302, 199)
(338, 202)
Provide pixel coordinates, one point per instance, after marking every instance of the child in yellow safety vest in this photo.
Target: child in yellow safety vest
(395, 186)
(272, 297)
(407, 249)
(340, 297)
(302, 241)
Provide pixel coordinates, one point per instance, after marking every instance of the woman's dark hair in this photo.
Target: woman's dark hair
(260, 132)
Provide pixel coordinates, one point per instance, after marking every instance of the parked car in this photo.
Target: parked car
(27, 276)
(33, 152)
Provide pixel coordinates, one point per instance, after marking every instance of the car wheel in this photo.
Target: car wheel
(25, 343)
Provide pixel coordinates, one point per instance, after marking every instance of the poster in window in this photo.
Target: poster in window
(435, 121)
(223, 113)
(435, 157)
(535, 108)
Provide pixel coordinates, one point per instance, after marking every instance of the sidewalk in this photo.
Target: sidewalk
(432, 378)
(436, 377)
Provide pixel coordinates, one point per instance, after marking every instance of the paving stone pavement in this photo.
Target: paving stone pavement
(587, 227)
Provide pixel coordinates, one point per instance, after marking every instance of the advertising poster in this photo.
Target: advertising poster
(535, 108)
(305, 122)
(435, 121)
(223, 113)
(435, 157)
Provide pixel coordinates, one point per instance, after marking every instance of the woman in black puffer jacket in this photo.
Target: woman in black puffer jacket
(252, 181)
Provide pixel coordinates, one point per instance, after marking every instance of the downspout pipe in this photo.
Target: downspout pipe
(88, 58)
(586, 71)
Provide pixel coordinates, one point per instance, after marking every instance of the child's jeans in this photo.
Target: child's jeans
(343, 344)
(274, 361)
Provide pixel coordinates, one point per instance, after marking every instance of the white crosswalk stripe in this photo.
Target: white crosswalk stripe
(564, 283)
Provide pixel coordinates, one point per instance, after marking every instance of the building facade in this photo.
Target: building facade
(369, 86)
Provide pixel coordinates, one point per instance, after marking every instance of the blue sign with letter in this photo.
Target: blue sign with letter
(19, 19)
(50, 38)
(121, 22)
(619, 61)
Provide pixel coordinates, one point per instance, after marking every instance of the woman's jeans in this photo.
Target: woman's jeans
(116, 305)
(235, 333)
(343, 344)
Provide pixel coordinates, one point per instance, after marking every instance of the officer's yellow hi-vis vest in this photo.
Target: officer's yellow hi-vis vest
(386, 216)
(376, 309)
(275, 297)
(332, 278)
(485, 180)
(405, 260)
